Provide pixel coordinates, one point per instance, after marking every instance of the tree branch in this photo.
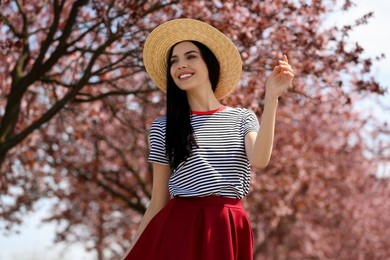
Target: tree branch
(112, 93)
(14, 140)
(10, 25)
(40, 69)
(49, 38)
(137, 206)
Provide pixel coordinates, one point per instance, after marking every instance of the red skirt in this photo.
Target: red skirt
(207, 228)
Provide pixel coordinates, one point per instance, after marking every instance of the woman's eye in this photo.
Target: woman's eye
(173, 61)
(191, 57)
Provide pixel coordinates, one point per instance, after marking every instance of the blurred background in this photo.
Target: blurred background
(76, 106)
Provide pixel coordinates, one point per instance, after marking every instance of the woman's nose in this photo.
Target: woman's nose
(182, 64)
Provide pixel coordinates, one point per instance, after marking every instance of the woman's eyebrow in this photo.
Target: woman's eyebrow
(188, 52)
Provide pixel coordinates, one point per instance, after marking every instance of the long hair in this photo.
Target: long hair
(180, 136)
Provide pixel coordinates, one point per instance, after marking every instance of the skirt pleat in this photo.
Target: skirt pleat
(206, 228)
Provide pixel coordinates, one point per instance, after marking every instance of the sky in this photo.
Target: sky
(34, 242)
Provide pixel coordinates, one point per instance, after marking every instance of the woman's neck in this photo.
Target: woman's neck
(203, 101)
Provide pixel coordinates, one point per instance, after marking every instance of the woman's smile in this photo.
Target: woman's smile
(185, 76)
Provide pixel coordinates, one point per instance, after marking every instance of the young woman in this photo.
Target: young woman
(201, 150)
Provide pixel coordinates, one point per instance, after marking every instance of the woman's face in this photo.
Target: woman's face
(188, 69)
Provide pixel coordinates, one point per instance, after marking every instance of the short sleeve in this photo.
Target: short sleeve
(250, 122)
(157, 142)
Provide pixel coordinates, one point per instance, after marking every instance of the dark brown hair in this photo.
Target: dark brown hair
(180, 137)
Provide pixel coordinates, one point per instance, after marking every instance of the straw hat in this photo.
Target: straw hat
(162, 38)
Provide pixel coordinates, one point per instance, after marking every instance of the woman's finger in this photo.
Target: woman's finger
(281, 62)
(285, 58)
(286, 67)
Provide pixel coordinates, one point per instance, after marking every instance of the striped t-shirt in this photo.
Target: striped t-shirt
(219, 165)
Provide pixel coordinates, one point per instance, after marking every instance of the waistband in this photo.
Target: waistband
(210, 201)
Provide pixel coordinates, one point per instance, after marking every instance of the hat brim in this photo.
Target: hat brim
(163, 37)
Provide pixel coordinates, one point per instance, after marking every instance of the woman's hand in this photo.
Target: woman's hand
(280, 79)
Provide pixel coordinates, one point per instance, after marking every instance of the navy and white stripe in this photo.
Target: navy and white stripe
(219, 166)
